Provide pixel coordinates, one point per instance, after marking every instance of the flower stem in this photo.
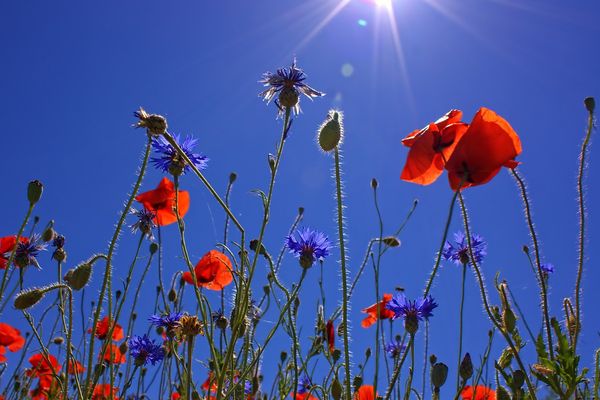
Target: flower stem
(398, 368)
(340, 218)
(581, 198)
(460, 323)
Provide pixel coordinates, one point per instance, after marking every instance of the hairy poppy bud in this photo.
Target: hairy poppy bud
(28, 298)
(331, 131)
(254, 246)
(590, 104)
(300, 210)
(525, 249)
(368, 352)
(123, 347)
(34, 191)
(357, 382)
(337, 353)
(79, 276)
(153, 247)
(509, 320)
(271, 160)
(336, 389)
(439, 373)
(288, 97)
(432, 359)
(502, 394)
(466, 367)
(374, 183)
(58, 340)
(172, 296)
(49, 233)
(60, 255)
(232, 177)
(391, 241)
(282, 356)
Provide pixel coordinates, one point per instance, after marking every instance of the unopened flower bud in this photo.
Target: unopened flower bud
(282, 356)
(60, 255)
(337, 353)
(123, 347)
(58, 340)
(28, 298)
(300, 210)
(331, 132)
(590, 104)
(439, 373)
(172, 296)
(357, 382)
(466, 367)
(271, 160)
(391, 241)
(432, 359)
(336, 389)
(34, 191)
(153, 247)
(368, 352)
(79, 276)
(374, 183)
(232, 177)
(49, 233)
(525, 249)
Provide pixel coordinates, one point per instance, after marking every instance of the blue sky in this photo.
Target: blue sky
(73, 72)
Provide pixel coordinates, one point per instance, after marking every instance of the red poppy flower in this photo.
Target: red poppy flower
(75, 367)
(384, 313)
(113, 354)
(429, 147)
(213, 271)
(481, 393)
(9, 338)
(210, 381)
(175, 396)
(161, 201)
(365, 392)
(7, 245)
(330, 336)
(43, 369)
(102, 329)
(103, 392)
(488, 144)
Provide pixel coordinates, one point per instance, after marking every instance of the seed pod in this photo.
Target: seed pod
(466, 367)
(336, 389)
(28, 298)
(79, 276)
(34, 191)
(439, 374)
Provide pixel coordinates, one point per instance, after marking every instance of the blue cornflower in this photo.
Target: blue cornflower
(459, 251)
(304, 384)
(144, 350)
(247, 388)
(412, 311)
(168, 159)
(395, 348)
(309, 247)
(145, 222)
(27, 250)
(167, 321)
(547, 268)
(288, 82)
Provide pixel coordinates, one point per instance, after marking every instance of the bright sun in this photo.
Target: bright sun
(384, 3)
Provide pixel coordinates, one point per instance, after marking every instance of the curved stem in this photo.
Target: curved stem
(398, 368)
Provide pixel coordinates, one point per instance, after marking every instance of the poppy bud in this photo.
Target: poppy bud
(222, 322)
(337, 353)
(502, 394)
(336, 389)
(34, 191)
(518, 379)
(267, 289)
(525, 249)
(590, 104)
(282, 356)
(58, 340)
(232, 177)
(374, 183)
(271, 159)
(432, 359)
(254, 246)
(439, 373)
(391, 241)
(466, 367)
(368, 352)
(288, 97)
(28, 298)
(123, 347)
(153, 248)
(331, 132)
(49, 233)
(300, 210)
(60, 255)
(79, 276)
(118, 294)
(357, 382)
(172, 296)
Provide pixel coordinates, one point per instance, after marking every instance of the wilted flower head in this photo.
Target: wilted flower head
(28, 250)
(155, 124)
(310, 246)
(395, 348)
(288, 83)
(459, 251)
(144, 350)
(168, 159)
(145, 222)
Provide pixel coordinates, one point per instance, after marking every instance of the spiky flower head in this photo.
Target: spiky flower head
(309, 246)
(170, 161)
(145, 222)
(412, 311)
(168, 321)
(155, 124)
(395, 348)
(459, 251)
(28, 250)
(288, 83)
(144, 350)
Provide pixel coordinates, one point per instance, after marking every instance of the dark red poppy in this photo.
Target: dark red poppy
(429, 147)
(103, 392)
(213, 271)
(488, 144)
(330, 336)
(7, 245)
(102, 329)
(365, 392)
(9, 338)
(175, 396)
(384, 313)
(113, 354)
(161, 201)
(480, 393)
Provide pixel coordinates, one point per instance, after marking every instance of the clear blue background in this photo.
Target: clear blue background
(73, 72)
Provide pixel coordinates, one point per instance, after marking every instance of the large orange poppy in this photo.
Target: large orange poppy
(213, 271)
(384, 313)
(103, 327)
(365, 392)
(480, 392)
(429, 147)
(488, 144)
(9, 338)
(161, 201)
